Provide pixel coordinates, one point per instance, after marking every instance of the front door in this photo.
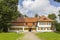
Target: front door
(30, 29)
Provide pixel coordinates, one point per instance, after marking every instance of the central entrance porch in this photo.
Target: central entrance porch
(29, 29)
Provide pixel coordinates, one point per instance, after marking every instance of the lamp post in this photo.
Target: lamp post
(59, 15)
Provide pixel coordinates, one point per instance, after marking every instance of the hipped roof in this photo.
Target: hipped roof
(42, 19)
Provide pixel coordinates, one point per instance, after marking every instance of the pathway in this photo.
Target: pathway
(30, 36)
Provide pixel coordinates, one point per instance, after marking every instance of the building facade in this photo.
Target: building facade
(42, 24)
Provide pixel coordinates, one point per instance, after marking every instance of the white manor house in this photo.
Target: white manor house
(41, 24)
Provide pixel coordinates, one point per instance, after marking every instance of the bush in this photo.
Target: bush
(57, 27)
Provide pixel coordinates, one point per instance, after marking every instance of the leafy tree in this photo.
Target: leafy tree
(36, 15)
(25, 15)
(59, 14)
(52, 16)
(8, 12)
(57, 26)
(57, 0)
(55, 23)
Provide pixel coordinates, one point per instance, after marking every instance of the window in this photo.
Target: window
(48, 28)
(48, 23)
(26, 23)
(45, 19)
(42, 28)
(41, 23)
(33, 23)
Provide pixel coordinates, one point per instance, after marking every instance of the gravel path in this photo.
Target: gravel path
(30, 36)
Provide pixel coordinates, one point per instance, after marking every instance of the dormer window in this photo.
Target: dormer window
(45, 19)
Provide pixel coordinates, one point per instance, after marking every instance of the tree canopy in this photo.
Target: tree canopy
(8, 12)
(36, 15)
(52, 16)
(55, 23)
(57, 0)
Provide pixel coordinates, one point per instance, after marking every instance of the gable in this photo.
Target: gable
(44, 19)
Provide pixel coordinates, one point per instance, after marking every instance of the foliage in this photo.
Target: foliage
(52, 16)
(8, 12)
(25, 15)
(56, 24)
(59, 14)
(57, 27)
(57, 0)
(48, 36)
(36, 15)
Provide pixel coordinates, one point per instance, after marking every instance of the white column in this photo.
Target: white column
(23, 29)
(8, 30)
(36, 28)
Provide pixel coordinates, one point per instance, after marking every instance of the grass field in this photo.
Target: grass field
(10, 36)
(49, 36)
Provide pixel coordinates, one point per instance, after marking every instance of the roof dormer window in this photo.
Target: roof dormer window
(45, 19)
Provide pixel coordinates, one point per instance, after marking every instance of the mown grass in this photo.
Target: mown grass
(10, 36)
(49, 36)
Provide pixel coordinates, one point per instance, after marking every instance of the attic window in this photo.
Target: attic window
(26, 23)
(45, 19)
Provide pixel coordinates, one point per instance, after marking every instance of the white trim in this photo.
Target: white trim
(36, 28)
(23, 28)
(16, 30)
(45, 31)
(17, 26)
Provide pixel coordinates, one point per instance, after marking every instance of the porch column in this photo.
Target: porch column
(23, 29)
(8, 30)
(36, 28)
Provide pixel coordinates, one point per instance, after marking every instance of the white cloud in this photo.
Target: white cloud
(27, 4)
(22, 10)
(42, 7)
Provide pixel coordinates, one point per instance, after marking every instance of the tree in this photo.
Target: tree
(25, 15)
(52, 16)
(55, 23)
(57, 26)
(8, 12)
(57, 0)
(59, 14)
(36, 15)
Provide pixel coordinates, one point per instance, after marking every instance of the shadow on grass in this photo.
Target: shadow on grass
(57, 32)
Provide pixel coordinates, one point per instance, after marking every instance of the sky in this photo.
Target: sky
(40, 7)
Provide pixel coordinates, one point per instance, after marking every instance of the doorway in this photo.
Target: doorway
(30, 29)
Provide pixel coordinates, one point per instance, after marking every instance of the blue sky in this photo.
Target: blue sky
(41, 7)
(52, 2)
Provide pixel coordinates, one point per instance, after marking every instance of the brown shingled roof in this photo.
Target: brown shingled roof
(30, 19)
(19, 20)
(44, 19)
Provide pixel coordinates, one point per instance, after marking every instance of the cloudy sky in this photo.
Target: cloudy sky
(41, 7)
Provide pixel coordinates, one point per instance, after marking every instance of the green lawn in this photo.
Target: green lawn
(49, 36)
(10, 36)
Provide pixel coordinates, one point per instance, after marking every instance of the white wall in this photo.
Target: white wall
(45, 31)
(44, 24)
(17, 26)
